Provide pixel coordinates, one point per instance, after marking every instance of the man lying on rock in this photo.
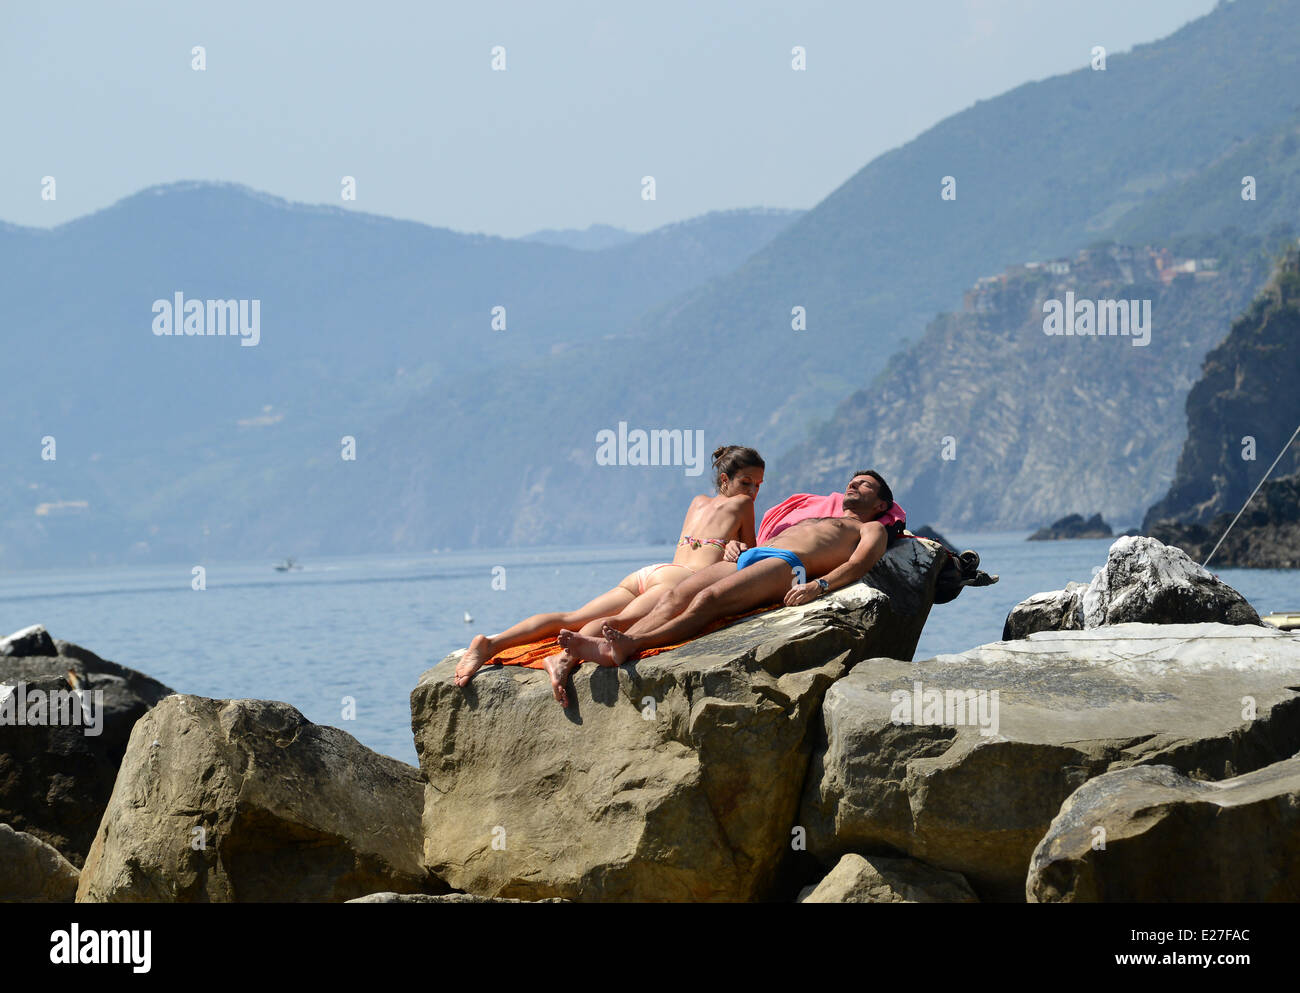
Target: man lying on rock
(800, 564)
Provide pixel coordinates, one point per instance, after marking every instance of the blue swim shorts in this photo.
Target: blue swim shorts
(752, 555)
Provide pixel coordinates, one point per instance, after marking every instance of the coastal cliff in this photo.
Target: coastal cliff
(1240, 414)
(984, 412)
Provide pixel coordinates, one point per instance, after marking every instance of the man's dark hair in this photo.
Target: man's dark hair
(882, 488)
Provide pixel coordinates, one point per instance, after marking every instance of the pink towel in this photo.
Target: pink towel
(801, 506)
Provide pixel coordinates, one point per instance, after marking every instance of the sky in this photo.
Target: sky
(594, 96)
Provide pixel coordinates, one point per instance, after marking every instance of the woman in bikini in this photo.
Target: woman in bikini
(711, 522)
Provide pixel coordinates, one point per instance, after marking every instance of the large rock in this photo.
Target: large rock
(55, 778)
(32, 871)
(1148, 582)
(443, 898)
(247, 800)
(34, 640)
(1212, 700)
(1151, 834)
(676, 777)
(1143, 581)
(1059, 610)
(1073, 526)
(872, 879)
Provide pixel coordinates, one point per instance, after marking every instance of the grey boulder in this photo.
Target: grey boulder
(1150, 834)
(924, 759)
(248, 801)
(874, 879)
(34, 640)
(32, 871)
(1144, 582)
(443, 898)
(55, 778)
(1152, 583)
(1058, 610)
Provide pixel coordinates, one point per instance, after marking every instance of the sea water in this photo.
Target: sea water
(353, 634)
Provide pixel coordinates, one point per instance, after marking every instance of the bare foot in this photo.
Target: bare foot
(559, 666)
(480, 650)
(589, 649)
(620, 645)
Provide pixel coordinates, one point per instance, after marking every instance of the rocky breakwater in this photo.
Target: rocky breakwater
(962, 761)
(675, 777)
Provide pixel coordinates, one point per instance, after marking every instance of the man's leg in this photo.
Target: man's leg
(762, 583)
(630, 614)
(669, 606)
(537, 627)
(561, 664)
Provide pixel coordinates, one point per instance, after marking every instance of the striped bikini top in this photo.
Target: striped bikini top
(698, 543)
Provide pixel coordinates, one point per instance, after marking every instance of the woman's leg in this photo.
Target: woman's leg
(540, 626)
(630, 614)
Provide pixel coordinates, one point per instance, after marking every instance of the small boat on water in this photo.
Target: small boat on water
(468, 619)
(1287, 620)
(288, 565)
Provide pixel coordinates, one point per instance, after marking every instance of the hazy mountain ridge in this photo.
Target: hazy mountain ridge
(593, 238)
(489, 438)
(599, 237)
(1041, 170)
(173, 443)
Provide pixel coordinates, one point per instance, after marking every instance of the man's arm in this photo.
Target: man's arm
(871, 546)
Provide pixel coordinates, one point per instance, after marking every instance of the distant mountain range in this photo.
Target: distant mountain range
(170, 446)
(381, 330)
(593, 238)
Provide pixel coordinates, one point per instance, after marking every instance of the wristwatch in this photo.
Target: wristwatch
(824, 585)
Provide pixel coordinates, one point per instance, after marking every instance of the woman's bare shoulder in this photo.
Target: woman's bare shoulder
(697, 506)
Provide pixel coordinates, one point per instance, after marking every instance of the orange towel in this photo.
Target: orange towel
(531, 655)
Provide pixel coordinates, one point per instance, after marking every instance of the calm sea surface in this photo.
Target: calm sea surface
(366, 627)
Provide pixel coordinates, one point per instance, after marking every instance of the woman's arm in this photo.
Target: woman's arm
(747, 523)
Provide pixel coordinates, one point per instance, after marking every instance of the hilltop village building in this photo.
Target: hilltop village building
(1115, 265)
